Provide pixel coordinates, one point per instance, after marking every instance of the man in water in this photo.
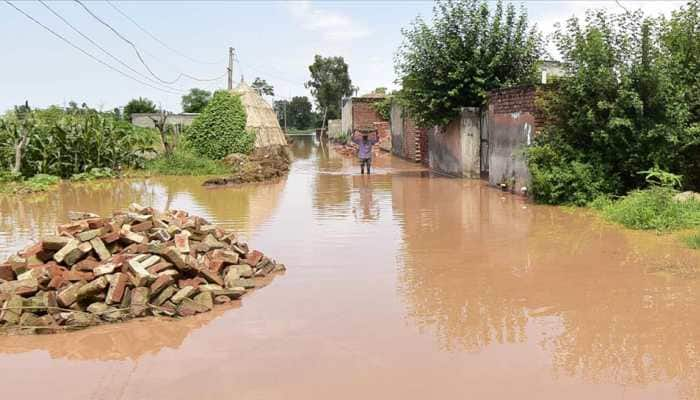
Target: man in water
(364, 152)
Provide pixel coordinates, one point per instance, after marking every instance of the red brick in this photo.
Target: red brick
(110, 237)
(6, 272)
(253, 258)
(74, 276)
(194, 282)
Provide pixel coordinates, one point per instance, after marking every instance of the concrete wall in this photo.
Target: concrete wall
(334, 128)
(513, 121)
(346, 116)
(398, 135)
(144, 119)
(454, 149)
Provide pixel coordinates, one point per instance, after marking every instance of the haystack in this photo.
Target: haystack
(261, 117)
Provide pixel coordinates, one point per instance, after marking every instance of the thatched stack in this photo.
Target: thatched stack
(261, 117)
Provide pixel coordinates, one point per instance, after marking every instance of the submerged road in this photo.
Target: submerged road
(400, 285)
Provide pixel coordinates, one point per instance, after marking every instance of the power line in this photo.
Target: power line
(87, 53)
(152, 36)
(98, 45)
(138, 54)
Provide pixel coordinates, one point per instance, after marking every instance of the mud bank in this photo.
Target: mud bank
(264, 164)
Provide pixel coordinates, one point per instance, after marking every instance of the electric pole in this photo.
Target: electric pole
(285, 117)
(230, 68)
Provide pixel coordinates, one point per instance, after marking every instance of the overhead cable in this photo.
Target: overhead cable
(105, 51)
(89, 54)
(138, 53)
(152, 36)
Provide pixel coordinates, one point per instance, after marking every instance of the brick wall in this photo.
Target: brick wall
(363, 114)
(520, 99)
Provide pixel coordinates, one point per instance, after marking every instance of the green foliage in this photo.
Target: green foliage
(658, 177)
(298, 113)
(652, 208)
(329, 83)
(185, 162)
(627, 104)
(140, 105)
(15, 184)
(262, 87)
(195, 100)
(94, 174)
(67, 142)
(220, 129)
(468, 50)
(693, 241)
(556, 180)
(383, 107)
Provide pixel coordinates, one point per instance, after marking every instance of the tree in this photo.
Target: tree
(262, 87)
(299, 112)
(219, 129)
(468, 50)
(140, 105)
(281, 107)
(195, 100)
(329, 83)
(625, 107)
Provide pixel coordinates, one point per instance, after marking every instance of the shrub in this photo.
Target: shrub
(220, 129)
(185, 162)
(556, 179)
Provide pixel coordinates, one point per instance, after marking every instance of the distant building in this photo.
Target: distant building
(550, 69)
(146, 120)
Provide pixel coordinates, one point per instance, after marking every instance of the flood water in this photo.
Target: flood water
(399, 285)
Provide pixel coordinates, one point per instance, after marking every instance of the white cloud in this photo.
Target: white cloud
(329, 25)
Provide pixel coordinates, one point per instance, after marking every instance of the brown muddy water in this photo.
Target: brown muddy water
(399, 285)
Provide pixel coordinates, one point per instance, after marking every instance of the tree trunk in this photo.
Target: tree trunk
(19, 149)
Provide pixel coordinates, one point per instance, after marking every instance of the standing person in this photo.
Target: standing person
(364, 153)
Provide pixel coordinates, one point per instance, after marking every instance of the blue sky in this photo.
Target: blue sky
(275, 40)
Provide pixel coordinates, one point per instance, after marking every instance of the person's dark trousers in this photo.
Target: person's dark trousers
(363, 162)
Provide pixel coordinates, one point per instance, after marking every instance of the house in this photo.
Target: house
(360, 113)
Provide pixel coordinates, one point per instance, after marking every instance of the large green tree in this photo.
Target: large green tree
(195, 100)
(626, 106)
(139, 105)
(298, 112)
(329, 83)
(262, 87)
(467, 50)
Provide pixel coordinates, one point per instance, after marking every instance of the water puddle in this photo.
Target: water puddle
(400, 285)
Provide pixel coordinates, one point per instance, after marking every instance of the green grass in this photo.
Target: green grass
(693, 240)
(650, 209)
(184, 162)
(18, 185)
(93, 174)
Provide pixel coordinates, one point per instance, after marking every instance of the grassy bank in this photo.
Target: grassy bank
(183, 162)
(11, 184)
(653, 209)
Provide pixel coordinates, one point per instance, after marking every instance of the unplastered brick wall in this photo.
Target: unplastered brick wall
(363, 113)
(518, 99)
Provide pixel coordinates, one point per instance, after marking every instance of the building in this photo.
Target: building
(147, 120)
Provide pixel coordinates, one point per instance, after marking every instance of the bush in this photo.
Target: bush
(556, 179)
(14, 184)
(220, 129)
(185, 162)
(652, 208)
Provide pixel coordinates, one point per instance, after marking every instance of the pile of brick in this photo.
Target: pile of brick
(138, 263)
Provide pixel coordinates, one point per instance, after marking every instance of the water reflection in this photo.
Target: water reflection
(479, 268)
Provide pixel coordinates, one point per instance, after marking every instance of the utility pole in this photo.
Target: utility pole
(230, 68)
(285, 116)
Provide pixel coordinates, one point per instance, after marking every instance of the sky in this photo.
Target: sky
(274, 40)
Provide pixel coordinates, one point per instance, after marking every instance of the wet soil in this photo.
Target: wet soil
(399, 285)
